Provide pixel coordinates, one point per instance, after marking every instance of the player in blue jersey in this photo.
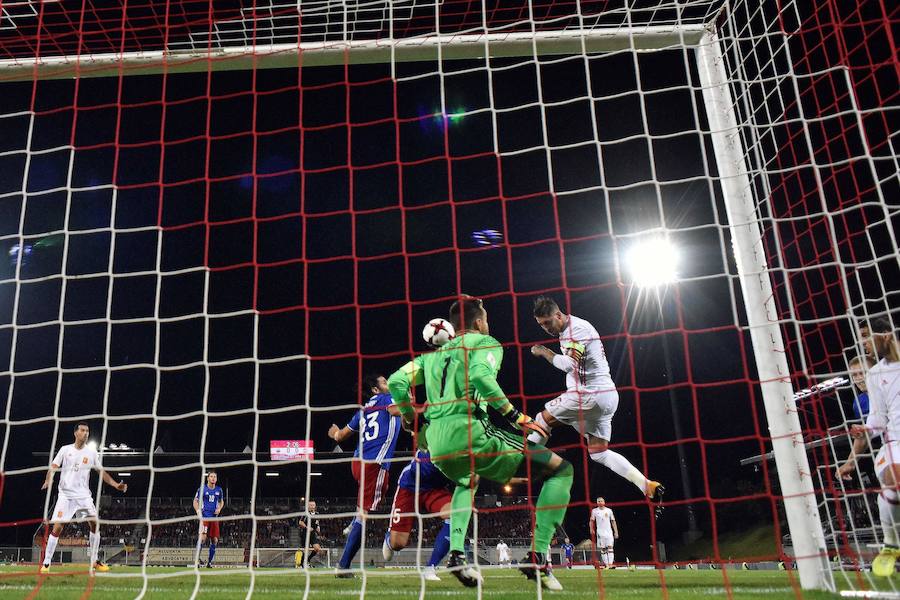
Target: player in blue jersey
(568, 549)
(378, 426)
(421, 489)
(208, 503)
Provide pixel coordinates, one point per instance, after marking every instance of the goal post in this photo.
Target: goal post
(794, 472)
(460, 46)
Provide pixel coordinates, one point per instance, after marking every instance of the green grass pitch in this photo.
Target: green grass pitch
(221, 584)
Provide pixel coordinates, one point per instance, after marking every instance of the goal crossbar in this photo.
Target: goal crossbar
(330, 53)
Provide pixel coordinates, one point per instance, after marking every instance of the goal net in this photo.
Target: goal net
(217, 217)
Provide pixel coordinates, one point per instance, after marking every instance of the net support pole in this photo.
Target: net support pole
(792, 463)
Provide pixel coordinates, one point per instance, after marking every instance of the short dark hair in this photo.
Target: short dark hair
(471, 308)
(545, 306)
(211, 472)
(880, 325)
(369, 381)
(80, 423)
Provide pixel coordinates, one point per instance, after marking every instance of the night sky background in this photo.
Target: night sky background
(214, 228)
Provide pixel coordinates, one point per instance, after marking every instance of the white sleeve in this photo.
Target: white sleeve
(97, 464)
(876, 422)
(612, 517)
(58, 460)
(564, 363)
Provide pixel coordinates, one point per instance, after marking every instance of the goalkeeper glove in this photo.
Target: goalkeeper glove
(524, 422)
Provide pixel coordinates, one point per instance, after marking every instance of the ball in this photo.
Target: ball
(438, 332)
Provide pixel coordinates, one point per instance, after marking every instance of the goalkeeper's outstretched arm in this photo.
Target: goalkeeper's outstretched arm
(399, 384)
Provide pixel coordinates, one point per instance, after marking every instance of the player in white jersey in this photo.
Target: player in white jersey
(604, 531)
(75, 462)
(883, 384)
(590, 399)
(503, 554)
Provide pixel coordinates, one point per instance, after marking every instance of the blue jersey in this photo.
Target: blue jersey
(861, 406)
(568, 549)
(209, 499)
(430, 478)
(378, 430)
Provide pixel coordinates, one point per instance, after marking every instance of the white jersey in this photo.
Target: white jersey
(583, 358)
(75, 470)
(502, 549)
(602, 519)
(883, 384)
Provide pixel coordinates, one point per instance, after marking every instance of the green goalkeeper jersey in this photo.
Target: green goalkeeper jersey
(458, 378)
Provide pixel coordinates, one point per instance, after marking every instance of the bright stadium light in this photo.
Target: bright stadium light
(653, 263)
(92, 445)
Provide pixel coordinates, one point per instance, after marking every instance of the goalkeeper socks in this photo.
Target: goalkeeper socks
(212, 552)
(441, 545)
(619, 465)
(352, 545)
(94, 542)
(461, 513)
(51, 548)
(888, 513)
(551, 505)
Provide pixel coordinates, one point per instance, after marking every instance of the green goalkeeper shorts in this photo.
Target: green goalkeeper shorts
(494, 454)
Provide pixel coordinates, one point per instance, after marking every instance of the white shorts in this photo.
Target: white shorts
(887, 455)
(588, 412)
(67, 508)
(605, 541)
(504, 558)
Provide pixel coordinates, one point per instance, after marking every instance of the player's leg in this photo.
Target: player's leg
(610, 554)
(52, 540)
(557, 475)
(888, 508)
(313, 552)
(548, 423)
(213, 534)
(397, 536)
(438, 501)
(94, 545)
(201, 539)
(595, 423)
(372, 481)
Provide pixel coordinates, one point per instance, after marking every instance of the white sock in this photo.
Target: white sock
(94, 541)
(51, 548)
(619, 465)
(610, 558)
(197, 553)
(536, 437)
(888, 512)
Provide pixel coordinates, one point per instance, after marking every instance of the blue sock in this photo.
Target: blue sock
(441, 545)
(212, 552)
(352, 545)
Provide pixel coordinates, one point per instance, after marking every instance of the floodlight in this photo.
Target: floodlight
(653, 263)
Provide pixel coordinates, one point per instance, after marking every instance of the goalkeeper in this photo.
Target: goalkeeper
(460, 378)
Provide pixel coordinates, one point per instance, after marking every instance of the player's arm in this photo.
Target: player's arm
(197, 501)
(108, 479)
(220, 506)
(592, 527)
(48, 480)
(615, 528)
(401, 382)
(567, 361)
(339, 434)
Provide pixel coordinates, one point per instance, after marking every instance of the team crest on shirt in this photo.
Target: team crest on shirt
(84, 460)
(59, 513)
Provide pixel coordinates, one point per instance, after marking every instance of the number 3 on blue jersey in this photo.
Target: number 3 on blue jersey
(371, 432)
